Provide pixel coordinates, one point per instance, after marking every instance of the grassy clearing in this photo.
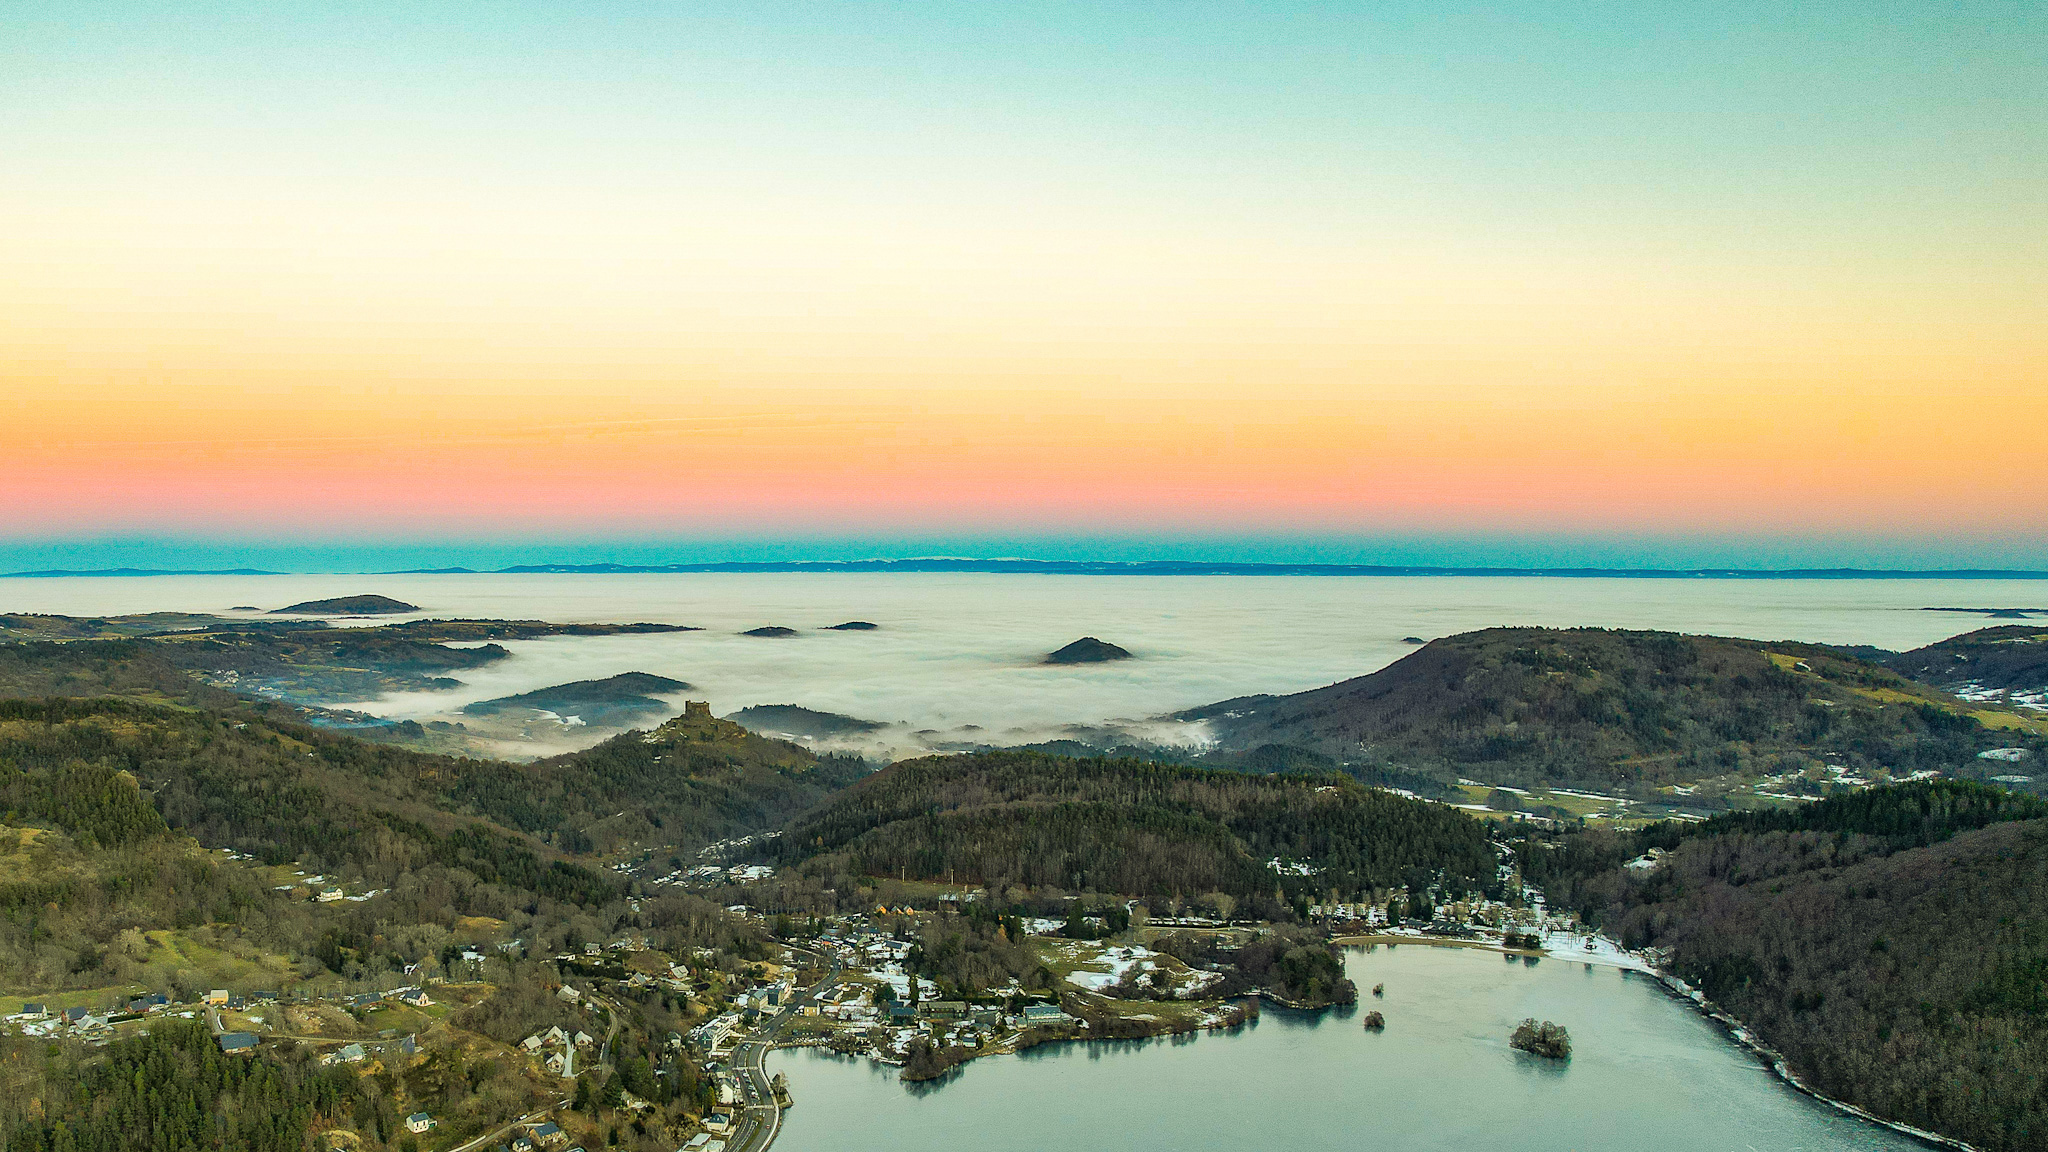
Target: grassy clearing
(1590, 807)
(222, 969)
(95, 998)
(2010, 721)
(36, 855)
(1066, 957)
(1177, 1011)
(1892, 696)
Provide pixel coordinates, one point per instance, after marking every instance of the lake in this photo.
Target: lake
(959, 653)
(1646, 1072)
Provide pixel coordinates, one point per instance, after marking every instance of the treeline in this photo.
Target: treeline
(1892, 943)
(97, 803)
(1033, 820)
(172, 1090)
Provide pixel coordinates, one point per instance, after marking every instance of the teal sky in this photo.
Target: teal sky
(1497, 550)
(1685, 280)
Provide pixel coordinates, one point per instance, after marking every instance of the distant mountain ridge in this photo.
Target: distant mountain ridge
(56, 572)
(1124, 568)
(1250, 568)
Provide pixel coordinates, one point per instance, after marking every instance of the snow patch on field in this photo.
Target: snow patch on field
(1119, 961)
(1592, 950)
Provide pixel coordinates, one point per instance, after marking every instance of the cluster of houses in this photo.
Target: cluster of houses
(708, 875)
(593, 950)
(561, 1061)
(91, 1024)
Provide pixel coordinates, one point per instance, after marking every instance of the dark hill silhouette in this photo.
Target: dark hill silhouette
(614, 699)
(789, 719)
(1616, 708)
(365, 605)
(1088, 650)
(2011, 657)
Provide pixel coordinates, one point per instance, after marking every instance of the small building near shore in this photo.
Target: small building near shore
(1044, 1014)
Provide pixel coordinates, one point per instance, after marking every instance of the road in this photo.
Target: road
(529, 1118)
(758, 1120)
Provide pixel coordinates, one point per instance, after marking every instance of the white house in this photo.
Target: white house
(418, 1122)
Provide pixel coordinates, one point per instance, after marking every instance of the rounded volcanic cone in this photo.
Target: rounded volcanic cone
(1088, 650)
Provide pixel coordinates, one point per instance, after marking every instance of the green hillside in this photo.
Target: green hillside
(1619, 709)
(1892, 944)
(1133, 828)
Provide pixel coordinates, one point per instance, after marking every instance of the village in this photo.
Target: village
(855, 983)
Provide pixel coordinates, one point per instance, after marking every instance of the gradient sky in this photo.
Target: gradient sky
(1768, 282)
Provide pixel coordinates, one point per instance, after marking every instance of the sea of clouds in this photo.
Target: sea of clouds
(957, 657)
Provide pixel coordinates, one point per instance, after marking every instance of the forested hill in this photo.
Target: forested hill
(2010, 658)
(1133, 828)
(99, 790)
(1619, 708)
(1893, 943)
(256, 777)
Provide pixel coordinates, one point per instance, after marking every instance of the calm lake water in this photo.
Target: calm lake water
(955, 650)
(1646, 1072)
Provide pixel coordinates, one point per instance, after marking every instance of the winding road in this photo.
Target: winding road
(757, 1118)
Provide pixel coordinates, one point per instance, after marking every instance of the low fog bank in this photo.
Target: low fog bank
(955, 661)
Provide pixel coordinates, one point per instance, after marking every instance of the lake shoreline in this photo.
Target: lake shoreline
(1745, 1038)
(1646, 1066)
(1732, 1027)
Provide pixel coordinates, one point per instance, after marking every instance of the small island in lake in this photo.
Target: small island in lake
(772, 631)
(1545, 1039)
(1088, 650)
(854, 626)
(1374, 1022)
(366, 605)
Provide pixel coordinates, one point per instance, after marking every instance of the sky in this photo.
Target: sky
(1602, 283)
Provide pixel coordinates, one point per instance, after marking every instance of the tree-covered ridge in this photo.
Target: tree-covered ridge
(1134, 827)
(458, 837)
(1903, 816)
(694, 780)
(1893, 944)
(172, 1090)
(273, 790)
(1620, 708)
(256, 777)
(2007, 657)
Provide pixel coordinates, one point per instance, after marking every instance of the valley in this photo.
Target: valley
(400, 931)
